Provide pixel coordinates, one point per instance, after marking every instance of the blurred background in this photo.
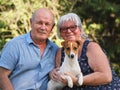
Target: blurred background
(100, 19)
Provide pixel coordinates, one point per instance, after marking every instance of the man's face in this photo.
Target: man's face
(41, 25)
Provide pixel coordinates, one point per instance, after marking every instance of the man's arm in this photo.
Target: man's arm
(5, 83)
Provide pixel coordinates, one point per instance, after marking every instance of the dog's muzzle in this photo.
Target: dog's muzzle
(71, 56)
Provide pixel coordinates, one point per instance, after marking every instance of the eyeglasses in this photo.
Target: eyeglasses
(71, 28)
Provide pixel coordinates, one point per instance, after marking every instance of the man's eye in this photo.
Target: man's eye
(40, 23)
(47, 24)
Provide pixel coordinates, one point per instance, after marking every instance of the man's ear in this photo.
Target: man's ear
(52, 27)
(30, 21)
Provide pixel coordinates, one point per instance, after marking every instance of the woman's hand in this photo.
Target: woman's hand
(55, 75)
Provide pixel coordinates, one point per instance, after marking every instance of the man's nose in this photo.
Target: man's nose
(43, 26)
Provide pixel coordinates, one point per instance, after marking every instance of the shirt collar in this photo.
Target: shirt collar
(28, 38)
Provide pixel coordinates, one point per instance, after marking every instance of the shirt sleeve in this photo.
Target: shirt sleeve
(9, 56)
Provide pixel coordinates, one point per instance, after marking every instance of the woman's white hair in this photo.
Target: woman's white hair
(73, 17)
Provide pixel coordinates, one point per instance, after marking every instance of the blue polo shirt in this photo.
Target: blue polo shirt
(22, 57)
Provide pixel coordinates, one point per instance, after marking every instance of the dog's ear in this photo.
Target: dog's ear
(78, 42)
(62, 43)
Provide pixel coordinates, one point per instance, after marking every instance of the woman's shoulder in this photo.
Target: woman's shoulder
(93, 47)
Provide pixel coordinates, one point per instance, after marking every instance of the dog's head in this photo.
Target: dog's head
(71, 48)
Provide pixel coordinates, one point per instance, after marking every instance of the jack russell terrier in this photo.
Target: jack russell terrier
(70, 65)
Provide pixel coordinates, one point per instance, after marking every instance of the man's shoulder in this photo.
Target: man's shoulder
(16, 40)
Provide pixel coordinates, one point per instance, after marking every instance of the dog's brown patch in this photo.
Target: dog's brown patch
(71, 46)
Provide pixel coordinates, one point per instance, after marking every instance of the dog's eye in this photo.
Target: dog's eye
(68, 48)
(75, 48)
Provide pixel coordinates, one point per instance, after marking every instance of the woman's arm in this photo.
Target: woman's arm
(99, 63)
(54, 73)
(58, 58)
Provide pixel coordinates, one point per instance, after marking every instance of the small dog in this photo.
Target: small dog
(70, 65)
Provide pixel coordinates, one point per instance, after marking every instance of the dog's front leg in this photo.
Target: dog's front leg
(53, 85)
(80, 79)
(69, 81)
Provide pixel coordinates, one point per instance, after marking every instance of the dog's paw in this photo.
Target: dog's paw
(80, 79)
(70, 85)
(70, 82)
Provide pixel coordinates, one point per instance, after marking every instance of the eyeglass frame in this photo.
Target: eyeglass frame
(71, 28)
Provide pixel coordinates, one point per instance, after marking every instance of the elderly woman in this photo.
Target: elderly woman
(97, 72)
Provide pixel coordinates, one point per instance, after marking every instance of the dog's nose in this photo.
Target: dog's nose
(71, 56)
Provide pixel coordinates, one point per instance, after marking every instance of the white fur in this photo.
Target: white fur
(71, 66)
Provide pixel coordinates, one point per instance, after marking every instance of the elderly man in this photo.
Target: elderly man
(26, 60)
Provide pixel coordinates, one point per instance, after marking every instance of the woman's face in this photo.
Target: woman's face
(70, 31)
